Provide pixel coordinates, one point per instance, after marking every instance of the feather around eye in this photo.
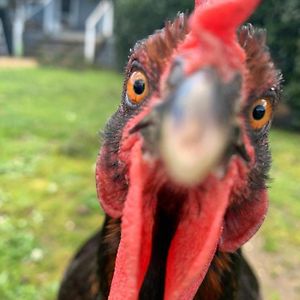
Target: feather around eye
(137, 87)
(260, 113)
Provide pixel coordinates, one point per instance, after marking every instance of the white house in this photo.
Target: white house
(80, 23)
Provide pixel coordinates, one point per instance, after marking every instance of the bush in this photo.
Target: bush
(136, 19)
(282, 21)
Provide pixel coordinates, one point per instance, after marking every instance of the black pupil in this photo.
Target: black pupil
(259, 112)
(139, 86)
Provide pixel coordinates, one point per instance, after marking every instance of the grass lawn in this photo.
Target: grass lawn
(49, 124)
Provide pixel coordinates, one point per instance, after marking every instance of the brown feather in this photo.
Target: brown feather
(262, 73)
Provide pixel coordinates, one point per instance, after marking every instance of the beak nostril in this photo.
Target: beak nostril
(242, 152)
(176, 74)
(238, 146)
(141, 125)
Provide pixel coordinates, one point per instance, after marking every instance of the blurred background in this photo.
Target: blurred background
(60, 79)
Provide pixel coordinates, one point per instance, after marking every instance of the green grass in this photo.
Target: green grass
(49, 123)
(282, 226)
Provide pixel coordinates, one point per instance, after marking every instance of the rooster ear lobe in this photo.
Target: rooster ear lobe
(223, 16)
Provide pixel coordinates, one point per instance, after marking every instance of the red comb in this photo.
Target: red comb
(213, 39)
(224, 15)
(200, 2)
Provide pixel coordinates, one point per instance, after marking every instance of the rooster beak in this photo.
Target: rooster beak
(192, 130)
(197, 128)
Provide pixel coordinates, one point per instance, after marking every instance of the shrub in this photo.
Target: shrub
(136, 19)
(282, 21)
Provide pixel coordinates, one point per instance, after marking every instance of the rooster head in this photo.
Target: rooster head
(185, 158)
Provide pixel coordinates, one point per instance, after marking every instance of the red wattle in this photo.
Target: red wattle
(196, 239)
(242, 221)
(136, 234)
(193, 245)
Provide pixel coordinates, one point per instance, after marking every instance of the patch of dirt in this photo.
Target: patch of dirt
(15, 63)
(279, 273)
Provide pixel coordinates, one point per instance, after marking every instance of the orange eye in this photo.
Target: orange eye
(137, 87)
(260, 113)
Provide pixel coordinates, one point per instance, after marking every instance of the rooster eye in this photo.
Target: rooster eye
(260, 113)
(137, 87)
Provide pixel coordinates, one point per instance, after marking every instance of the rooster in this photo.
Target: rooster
(184, 163)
